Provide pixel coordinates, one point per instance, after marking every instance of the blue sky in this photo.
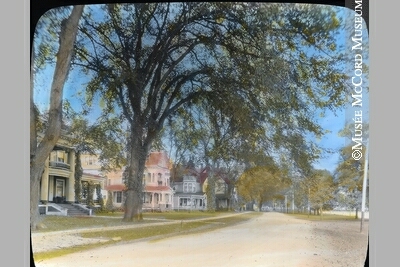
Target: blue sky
(333, 122)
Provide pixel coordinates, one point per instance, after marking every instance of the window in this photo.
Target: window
(184, 202)
(189, 188)
(119, 197)
(59, 156)
(90, 160)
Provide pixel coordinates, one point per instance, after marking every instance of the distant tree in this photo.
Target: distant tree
(321, 189)
(260, 184)
(349, 200)
(349, 173)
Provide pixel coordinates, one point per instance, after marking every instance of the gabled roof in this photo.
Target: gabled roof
(178, 172)
(218, 173)
(202, 175)
(158, 159)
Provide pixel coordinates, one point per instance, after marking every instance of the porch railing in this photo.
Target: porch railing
(59, 165)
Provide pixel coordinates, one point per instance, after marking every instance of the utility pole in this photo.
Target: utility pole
(364, 189)
(309, 208)
(293, 201)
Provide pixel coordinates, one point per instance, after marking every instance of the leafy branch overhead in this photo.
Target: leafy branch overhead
(153, 58)
(260, 71)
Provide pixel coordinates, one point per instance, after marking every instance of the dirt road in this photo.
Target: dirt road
(273, 239)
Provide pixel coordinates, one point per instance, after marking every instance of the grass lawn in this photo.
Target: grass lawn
(50, 223)
(59, 223)
(182, 215)
(324, 217)
(154, 232)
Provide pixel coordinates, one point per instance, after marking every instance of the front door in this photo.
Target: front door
(60, 185)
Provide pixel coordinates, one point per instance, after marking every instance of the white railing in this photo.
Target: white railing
(54, 209)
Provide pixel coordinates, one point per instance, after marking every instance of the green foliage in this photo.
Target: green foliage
(350, 200)
(320, 187)
(261, 70)
(46, 36)
(100, 199)
(90, 194)
(350, 172)
(105, 138)
(236, 51)
(109, 202)
(262, 183)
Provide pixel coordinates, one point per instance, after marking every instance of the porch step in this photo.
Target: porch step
(73, 211)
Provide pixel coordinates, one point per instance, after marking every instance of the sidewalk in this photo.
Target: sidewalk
(47, 241)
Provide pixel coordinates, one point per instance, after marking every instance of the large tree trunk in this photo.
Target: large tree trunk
(35, 175)
(210, 192)
(260, 202)
(134, 176)
(39, 154)
(211, 188)
(230, 193)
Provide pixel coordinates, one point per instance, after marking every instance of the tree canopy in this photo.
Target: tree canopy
(262, 183)
(263, 69)
(321, 188)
